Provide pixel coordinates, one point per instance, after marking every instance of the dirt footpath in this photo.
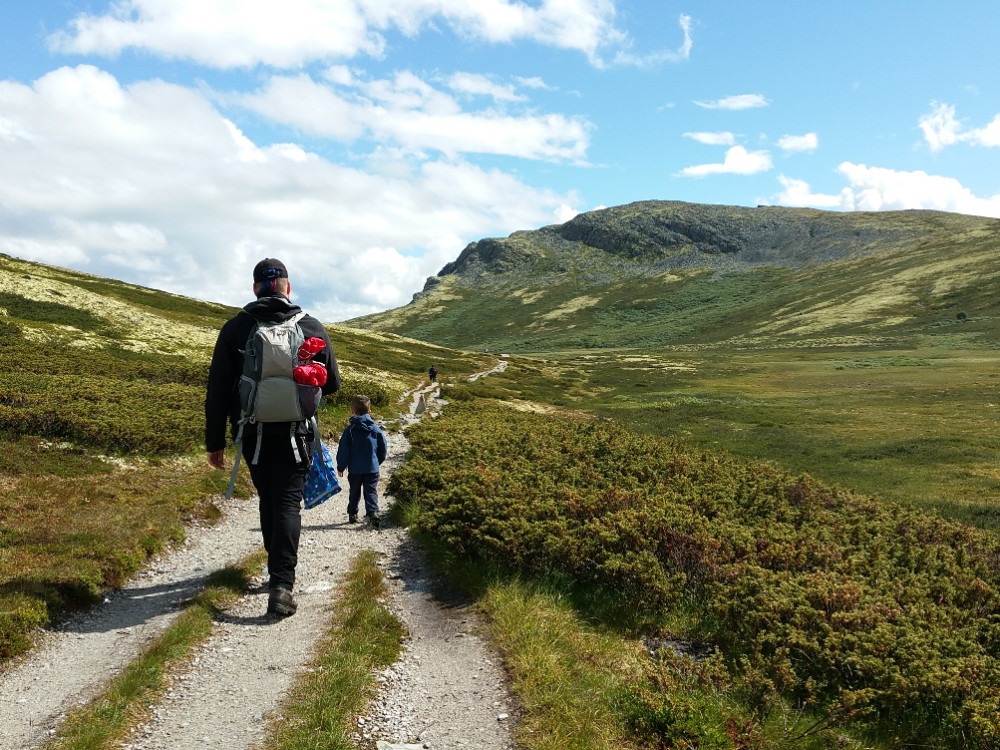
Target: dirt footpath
(447, 690)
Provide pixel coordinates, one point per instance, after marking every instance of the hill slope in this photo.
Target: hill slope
(661, 273)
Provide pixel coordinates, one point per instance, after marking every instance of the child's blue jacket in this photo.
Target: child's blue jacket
(362, 446)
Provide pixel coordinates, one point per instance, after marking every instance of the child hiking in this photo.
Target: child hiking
(361, 451)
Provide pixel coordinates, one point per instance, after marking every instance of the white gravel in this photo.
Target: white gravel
(447, 690)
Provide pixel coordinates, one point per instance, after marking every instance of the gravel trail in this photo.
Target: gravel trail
(447, 690)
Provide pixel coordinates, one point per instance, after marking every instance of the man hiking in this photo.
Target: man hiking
(278, 453)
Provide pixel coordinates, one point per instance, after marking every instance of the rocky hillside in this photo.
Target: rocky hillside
(671, 273)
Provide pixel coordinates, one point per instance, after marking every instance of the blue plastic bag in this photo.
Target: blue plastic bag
(321, 482)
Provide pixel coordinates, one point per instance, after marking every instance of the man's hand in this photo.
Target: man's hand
(217, 459)
(340, 473)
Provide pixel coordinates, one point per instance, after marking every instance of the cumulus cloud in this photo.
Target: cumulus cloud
(882, 189)
(798, 143)
(941, 128)
(414, 115)
(150, 182)
(738, 161)
(713, 139)
(245, 33)
(742, 101)
(798, 193)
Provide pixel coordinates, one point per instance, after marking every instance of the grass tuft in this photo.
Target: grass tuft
(566, 675)
(321, 709)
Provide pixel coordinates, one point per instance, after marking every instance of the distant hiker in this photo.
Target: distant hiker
(361, 451)
(432, 373)
(276, 436)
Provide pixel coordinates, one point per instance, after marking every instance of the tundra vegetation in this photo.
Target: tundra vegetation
(735, 489)
(823, 613)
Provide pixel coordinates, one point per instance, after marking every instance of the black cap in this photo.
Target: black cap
(269, 268)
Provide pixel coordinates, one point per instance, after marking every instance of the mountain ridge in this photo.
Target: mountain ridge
(655, 262)
(664, 229)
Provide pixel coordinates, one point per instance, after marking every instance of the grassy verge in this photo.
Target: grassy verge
(584, 687)
(78, 525)
(107, 718)
(567, 677)
(321, 708)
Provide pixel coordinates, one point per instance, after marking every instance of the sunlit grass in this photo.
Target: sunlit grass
(913, 426)
(322, 706)
(566, 676)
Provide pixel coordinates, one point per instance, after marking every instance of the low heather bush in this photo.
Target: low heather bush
(832, 601)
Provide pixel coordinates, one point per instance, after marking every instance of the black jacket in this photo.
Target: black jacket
(222, 399)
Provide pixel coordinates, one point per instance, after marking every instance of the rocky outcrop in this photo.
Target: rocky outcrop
(691, 234)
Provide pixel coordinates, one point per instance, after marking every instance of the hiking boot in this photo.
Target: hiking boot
(373, 521)
(352, 517)
(280, 602)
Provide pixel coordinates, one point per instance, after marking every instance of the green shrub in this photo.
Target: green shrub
(123, 416)
(817, 596)
(352, 385)
(20, 616)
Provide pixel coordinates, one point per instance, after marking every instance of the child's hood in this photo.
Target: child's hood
(365, 422)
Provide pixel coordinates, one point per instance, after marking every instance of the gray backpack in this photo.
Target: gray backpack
(268, 391)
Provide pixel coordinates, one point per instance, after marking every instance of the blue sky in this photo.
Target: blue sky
(174, 144)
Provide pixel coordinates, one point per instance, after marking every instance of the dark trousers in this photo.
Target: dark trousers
(358, 483)
(279, 480)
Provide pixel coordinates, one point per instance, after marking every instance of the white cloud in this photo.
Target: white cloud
(479, 85)
(941, 128)
(742, 101)
(738, 161)
(227, 33)
(798, 193)
(798, 143)
(533, 82)
(412, 114)
(881, 189)
(988, 136)
(150, 178)
(245, 33)
(564, 213)
(713, 139)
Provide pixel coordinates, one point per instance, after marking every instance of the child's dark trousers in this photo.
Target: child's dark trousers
(366, 484)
